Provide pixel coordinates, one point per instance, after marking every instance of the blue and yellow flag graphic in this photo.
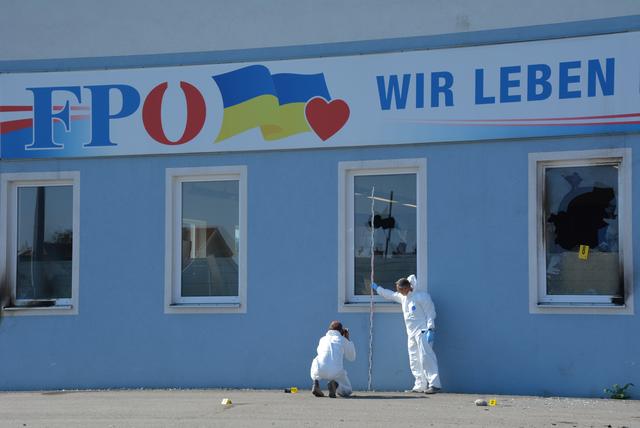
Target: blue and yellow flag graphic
(253, 97)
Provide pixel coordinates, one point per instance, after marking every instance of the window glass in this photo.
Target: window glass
(581, 230)
(395, 223)
(210, 237)
(45, 242)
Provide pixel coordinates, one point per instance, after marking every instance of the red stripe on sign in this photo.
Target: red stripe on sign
(15, 125)
(58, 108)
(548, 119)
(8, 109)
(628, 122)
(609, 116)
(15, 108)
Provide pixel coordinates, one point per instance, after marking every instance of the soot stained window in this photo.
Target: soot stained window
(580, 240)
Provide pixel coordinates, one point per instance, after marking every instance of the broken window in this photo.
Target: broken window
(581, 206)
(582, 230)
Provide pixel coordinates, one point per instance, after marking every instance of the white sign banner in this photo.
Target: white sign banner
(573, 86)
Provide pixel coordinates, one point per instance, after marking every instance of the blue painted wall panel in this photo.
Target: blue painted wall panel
(477, 271)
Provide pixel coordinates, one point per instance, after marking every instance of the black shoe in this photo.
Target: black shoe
(315, 389)
(333, 385)
(432, 390)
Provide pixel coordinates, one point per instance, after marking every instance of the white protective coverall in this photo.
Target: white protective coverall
(419, 315)
(328, 364)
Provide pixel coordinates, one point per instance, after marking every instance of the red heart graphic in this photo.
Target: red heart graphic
(326, 118)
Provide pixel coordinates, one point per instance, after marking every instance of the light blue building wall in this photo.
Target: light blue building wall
(487, 341)
(477, 269)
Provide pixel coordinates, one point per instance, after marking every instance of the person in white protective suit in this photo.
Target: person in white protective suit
(419, 315)
(328, 364)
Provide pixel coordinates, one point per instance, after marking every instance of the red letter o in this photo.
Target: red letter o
(152, 113)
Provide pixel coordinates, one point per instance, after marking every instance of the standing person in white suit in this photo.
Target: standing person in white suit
(419, 315)
(328, 365)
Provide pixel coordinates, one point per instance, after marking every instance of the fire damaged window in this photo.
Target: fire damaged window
(206, 254)
(45, 242)
(582, 232)
(40, 217)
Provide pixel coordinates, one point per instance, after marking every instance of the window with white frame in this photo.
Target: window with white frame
(382, 211)
(206, 251)
(40, 218)
(580, 231)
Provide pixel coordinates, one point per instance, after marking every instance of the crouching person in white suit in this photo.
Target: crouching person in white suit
(419, 316)
(328, 365)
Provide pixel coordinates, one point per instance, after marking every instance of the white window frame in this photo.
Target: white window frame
(347, 171)
(174, 302)
(539, 301)
(9, 184)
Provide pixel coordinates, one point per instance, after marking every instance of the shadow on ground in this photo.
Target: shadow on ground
(388, 397)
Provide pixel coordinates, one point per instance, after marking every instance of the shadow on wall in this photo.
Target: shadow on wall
(5, 295)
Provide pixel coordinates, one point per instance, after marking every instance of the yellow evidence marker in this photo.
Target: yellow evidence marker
(583, 254)
(493, 402)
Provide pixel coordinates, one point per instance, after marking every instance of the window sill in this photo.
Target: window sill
(582, 304)
(204, 308)
(385, 306)
(581, 308)
(40, 310)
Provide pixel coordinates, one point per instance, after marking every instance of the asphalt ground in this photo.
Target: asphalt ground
(270, 408)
